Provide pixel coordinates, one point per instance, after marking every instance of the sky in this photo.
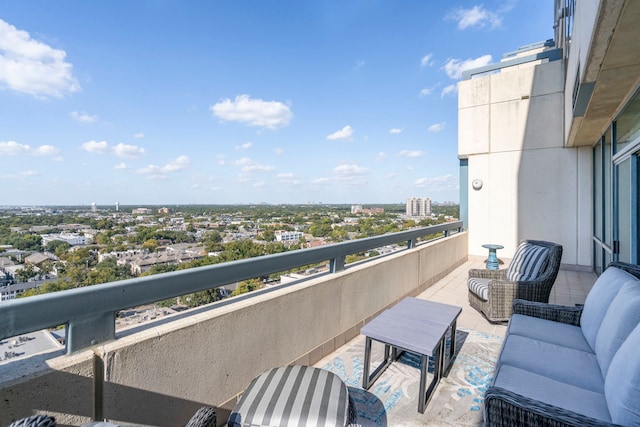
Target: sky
(228, 102)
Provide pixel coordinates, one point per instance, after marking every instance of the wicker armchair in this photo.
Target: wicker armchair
(492, 292)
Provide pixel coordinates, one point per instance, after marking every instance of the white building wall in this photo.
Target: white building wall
(512, 132)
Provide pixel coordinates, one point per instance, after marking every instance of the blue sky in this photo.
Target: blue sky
(217, 102)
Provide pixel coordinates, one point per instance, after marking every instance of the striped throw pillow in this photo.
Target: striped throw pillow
(528, 261)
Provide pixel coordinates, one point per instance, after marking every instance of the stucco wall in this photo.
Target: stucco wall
(511, 130)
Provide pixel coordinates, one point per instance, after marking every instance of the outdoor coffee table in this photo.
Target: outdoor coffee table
(418, 326)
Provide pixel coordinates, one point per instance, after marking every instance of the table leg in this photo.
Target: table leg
(452, 349)
(368, 380)
(426, 393)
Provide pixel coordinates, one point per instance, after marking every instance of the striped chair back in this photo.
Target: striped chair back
(528, 262)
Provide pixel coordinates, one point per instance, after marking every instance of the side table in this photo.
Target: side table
(492, 260)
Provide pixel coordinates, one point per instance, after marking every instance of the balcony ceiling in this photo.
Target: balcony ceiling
(613, 64)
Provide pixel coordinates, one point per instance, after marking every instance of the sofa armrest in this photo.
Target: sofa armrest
(556, 313)
(504, 408)
(483, 273)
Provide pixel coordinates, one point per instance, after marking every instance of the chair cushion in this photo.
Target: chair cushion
(479, 286)
(622, 384)
(552, 392)
(293, 396)
(565, 364)
(621, 318)
(528, 262)
(548, 331)
(599, 299)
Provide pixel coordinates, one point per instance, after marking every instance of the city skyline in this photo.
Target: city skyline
(242, 103)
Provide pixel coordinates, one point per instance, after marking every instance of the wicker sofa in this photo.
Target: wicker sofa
(572, 366)
(530, 276)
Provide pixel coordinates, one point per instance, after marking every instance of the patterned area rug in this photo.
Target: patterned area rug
(393, 399)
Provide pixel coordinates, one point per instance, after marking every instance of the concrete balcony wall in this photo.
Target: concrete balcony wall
(162, 374)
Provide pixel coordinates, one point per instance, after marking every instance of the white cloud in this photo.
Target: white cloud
(278, 151)
(424, 92)
(32, 67)
(121, 166)
(255, 112)
(426, 60)
(396, 130)
(121, 150)
(12, 148)
(138, 135)
(455, 67)
(321, 181)
(46, 150)
(449, 90)
(411, 153)
(159, 172)
(257, 168)
(438, 183)
(249, 165)
(29, 173)
(437, 127)
(381, 156)
(344, 133)
(128, 151)
(351, 174)
(83, 117)
(360, 64)
(391, 175)
(243, 161)
(477, 16)
(244, 146)
(96, 147)
(259, 184)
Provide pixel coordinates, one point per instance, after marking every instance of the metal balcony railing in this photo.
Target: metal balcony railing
(89, 313)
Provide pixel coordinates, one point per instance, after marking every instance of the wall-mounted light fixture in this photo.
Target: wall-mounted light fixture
(476, 184)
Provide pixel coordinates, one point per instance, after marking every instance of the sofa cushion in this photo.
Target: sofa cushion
(527, 263)
(479, 286)
(622, 384)
(621, 318)
(552, 392)
(599, 299)
(564, 364)
(548, 331)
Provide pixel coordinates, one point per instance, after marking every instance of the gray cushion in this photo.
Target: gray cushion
(622, 384)
(528, 262)
(599, 299)
(548, 331)
(479, 286)
(621, 318)
(552, 392)
(564, 364)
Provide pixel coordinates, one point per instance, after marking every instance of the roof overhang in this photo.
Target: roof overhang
(612, 71)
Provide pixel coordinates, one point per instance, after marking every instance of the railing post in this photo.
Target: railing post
(411, 243)
(446, 233)
(92, 330)
(337, 264)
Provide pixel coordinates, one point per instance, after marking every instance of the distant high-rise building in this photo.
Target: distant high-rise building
(93, 207)
(418, 206)
(356, 208)
(117, 206)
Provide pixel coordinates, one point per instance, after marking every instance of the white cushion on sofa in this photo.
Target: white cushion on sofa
(568, 365)
(622, 384)
(548, 331)
(599, 299)
(552, 392)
